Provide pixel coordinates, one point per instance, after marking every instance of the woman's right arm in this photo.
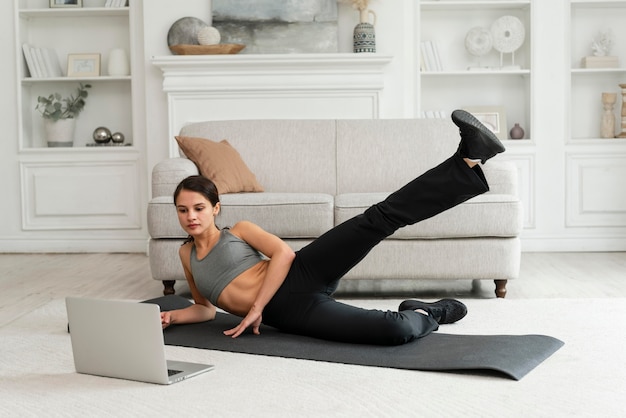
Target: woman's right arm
(202, 310)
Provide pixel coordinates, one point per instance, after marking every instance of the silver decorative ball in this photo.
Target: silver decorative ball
(101, 135)
(117, 138)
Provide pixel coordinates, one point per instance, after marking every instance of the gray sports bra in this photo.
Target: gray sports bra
(230, 257)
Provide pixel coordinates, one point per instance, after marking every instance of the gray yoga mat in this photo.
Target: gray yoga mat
(511, 356)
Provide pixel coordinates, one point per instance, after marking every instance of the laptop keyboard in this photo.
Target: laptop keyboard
(173, 372)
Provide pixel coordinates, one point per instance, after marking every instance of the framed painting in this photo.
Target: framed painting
(66, 3)
(83, 65)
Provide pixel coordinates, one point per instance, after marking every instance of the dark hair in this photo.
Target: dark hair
(199, 184)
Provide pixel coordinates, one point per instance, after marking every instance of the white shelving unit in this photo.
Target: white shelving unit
(587, 20)
(570, 179)
(67, 31)
(464, 80)
(84, 197)
(595, 173)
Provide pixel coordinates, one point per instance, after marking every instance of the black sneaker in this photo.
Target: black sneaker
(444, 311)
(477, 141)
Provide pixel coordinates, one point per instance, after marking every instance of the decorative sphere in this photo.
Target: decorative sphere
(209, 36)
(117, 138)
(101, 135)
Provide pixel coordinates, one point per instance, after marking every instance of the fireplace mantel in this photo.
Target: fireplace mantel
(272, 86)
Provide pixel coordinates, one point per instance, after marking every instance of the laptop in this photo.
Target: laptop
(123, 339)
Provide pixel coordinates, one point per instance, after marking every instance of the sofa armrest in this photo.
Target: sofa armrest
(502, 177)
(167, 174)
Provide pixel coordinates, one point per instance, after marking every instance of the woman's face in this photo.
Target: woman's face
(196, 214)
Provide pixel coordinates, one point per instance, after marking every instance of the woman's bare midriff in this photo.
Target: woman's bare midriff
(239, 295)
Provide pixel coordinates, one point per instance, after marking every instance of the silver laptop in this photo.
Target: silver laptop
(123, 339)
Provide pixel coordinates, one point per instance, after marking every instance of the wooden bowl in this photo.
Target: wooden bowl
(206, 49)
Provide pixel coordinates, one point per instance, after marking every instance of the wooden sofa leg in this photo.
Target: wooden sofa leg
(168, 287)
(500, 288)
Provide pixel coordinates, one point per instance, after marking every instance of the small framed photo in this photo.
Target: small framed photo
(83, 65)
(493, 117)
(66, 3)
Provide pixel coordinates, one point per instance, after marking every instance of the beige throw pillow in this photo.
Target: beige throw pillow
(221, 163)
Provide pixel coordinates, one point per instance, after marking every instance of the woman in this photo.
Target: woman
(253, 274)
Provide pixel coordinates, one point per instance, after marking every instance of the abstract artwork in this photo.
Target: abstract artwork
(278, 26)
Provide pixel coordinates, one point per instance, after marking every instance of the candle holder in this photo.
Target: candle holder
(607, 127)
(623, 124)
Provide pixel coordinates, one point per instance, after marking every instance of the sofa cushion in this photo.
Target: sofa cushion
(487, 215)
(220, 162)
(380, 155)
(287, 215)
(297, 156)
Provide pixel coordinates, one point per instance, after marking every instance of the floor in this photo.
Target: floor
(31, 280)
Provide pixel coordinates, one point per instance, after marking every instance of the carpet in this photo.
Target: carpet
(585, 378)
(508, 355)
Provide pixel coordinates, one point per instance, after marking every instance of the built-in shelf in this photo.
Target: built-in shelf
(104, 78)
(273, 71)
(486, 73)
(75, 12)
(473, 5)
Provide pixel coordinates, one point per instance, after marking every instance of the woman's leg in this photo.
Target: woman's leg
(334, 253)
(303, 304)
(336, 321)
(318, 315)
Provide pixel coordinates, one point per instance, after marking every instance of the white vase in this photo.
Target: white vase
(118, 63)
(59, 133)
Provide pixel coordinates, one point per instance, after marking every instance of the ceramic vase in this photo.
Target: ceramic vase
(59, 133)
(517, 132)
(364, 38)
(118, 63)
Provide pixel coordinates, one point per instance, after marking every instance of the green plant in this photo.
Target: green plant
(56, 107)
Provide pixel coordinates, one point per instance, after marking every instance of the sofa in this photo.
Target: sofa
(317, 173)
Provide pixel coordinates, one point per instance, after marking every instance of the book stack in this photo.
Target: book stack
(115, 3)
(42, 62)
(600, 62)
(430, 59)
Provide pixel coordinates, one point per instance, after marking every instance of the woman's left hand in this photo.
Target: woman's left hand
(253, 318)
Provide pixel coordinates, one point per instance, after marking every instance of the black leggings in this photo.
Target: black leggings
(303, 304)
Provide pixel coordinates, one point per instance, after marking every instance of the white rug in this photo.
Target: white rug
(586, 377)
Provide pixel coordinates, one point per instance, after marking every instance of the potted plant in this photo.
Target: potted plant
(60, 113)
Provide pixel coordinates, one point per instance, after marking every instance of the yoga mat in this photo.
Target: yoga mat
(512, 356)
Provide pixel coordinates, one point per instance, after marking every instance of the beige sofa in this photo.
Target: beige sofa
(318, 173)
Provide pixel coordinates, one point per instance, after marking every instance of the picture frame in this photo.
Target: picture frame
(83, 65)
(493, 117)
(66, 3)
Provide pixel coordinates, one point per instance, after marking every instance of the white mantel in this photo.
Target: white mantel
(273, 86)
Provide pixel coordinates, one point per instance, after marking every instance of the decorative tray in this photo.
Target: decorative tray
(206, 49)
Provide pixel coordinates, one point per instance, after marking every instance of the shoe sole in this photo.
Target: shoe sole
(462, 117)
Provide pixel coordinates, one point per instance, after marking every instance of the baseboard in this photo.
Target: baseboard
(573, 244)
(73, 245)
